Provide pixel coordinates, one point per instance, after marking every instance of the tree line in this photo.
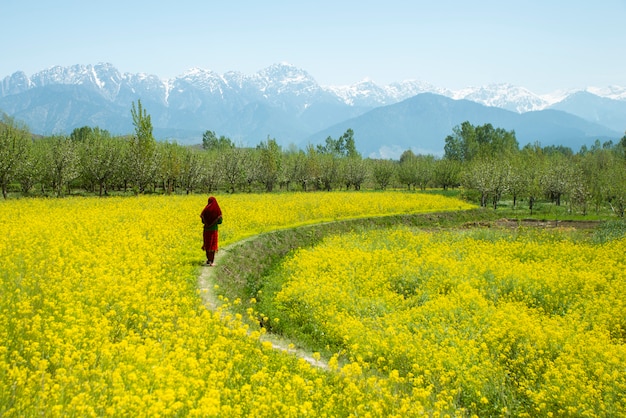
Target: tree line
(486, 162)
(493, 166)
(94, 161)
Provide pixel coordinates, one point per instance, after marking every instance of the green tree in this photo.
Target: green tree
(83, 133)
(142, 151)
(211, 173)
(490, 177)
(579, 188)
(408, 169)
(191, 170)
(331, 146)
(461, 146)
(305, 168)
(617, 187)
(447, 173)
(425, 170)
(557, 177)
(416, 170)
(595, 167)
(39, 161)
(100, 157)
(353, 172)
(211, 142)
(252, 169)
(121, 178)
(517, 182)
(345, 146)
(561, 150)
(383, 172)
(532, 163)
(61, 162)
(169, 164)
(28, 172)
(14, 143)
(469, 142)
(300, 167)
(350, 144)
(290, 159)
(232, 165)
(329, 165)
(475, 177)
(270, 161)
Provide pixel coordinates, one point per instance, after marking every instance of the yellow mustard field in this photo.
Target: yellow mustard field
(100, 313)
(491, 323)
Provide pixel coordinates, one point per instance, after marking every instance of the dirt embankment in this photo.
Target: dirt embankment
(535, 223)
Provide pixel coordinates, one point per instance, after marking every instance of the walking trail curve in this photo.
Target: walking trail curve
(206, 285)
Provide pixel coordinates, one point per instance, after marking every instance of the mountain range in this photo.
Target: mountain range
(286, 103)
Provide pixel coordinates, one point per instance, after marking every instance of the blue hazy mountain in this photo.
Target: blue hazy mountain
(422, 122)
(286, 103)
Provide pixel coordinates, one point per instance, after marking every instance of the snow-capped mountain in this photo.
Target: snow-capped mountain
(610, 92)
(505, 96)
(282, 101)
(280, 80)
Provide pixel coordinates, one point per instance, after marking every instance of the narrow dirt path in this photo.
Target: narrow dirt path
(206, 285)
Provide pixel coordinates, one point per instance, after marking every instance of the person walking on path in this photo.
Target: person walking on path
(211, 217)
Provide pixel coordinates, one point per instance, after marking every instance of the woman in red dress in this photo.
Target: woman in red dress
(211, 217)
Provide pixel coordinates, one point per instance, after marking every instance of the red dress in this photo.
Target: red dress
(210, 216)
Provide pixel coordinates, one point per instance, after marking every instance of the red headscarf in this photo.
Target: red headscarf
(211, 211)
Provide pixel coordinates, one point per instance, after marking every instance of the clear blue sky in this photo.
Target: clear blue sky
(544, 45)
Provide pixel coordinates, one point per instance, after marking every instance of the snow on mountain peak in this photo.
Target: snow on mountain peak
(202, 79)
(285, 78)
(503, 95)
(282, 77)
(611, 92)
